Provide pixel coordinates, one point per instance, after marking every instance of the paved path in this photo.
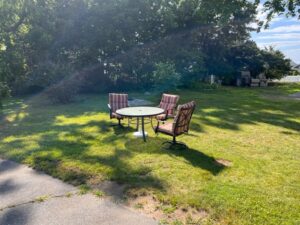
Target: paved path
(21, 188)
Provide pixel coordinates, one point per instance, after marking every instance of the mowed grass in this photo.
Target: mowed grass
(254, 130)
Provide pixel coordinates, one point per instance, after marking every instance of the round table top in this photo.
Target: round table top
(140, 111)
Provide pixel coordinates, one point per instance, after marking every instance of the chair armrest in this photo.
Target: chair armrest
(108, 105)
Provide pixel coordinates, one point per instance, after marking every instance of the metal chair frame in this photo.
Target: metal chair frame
(178, 119)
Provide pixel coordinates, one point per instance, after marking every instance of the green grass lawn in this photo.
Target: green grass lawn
(256, 130)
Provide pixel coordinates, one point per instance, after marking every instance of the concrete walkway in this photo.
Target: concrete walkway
(30, 197)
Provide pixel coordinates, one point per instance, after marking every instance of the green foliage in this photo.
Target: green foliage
(42, 198)
(295, 72)
(4, 92)
(44, 42)
(276, 65)
(204, 86)
(165, 76)
(279, 7)
(247, 56)
(84, 189)
(63, 92)
(46, 74)
(168, 209)
(41, 36)
(99, 193)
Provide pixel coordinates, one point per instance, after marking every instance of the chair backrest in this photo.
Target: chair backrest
(168, 103)
(118, 101)
(183, 117)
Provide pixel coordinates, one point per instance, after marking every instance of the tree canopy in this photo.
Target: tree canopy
(113, 44)
(279, 7)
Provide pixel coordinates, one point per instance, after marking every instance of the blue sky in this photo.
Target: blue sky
(283, 34)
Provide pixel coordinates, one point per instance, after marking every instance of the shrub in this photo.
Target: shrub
(66, 90)
(165, 76)
(276, 65)
(4, 92)
(42, 76)
(61, 93)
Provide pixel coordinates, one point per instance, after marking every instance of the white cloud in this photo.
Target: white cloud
(293, 54)
(278, 44)
(280, 36)
(283, 29)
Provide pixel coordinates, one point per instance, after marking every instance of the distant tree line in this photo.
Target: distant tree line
(66, 46)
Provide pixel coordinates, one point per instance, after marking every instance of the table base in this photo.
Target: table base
(139, 134)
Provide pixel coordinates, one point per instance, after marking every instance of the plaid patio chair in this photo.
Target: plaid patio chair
(117, 101)
(168, 103)
(181, 123)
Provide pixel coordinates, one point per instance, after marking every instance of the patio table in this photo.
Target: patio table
(140, 113)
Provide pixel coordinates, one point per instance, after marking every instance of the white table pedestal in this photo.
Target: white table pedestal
(139, 134)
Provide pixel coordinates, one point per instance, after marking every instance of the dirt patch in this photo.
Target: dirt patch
(165, 213)
(224, 162)
(146, 203)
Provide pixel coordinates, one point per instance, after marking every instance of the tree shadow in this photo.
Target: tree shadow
(14, 216)
(7, 186)
(7, 165)
(191, 156)
(240, 107)
(53, 149)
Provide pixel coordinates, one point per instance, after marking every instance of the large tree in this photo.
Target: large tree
(47, 40)
(119, 41)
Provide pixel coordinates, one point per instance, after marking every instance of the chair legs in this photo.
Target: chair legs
(129, 121)
(174, 142)
(119, 124)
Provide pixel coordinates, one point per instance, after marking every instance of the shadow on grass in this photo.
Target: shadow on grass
(59, 143)
(191, 156)
(244, 106)
(56, 149)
